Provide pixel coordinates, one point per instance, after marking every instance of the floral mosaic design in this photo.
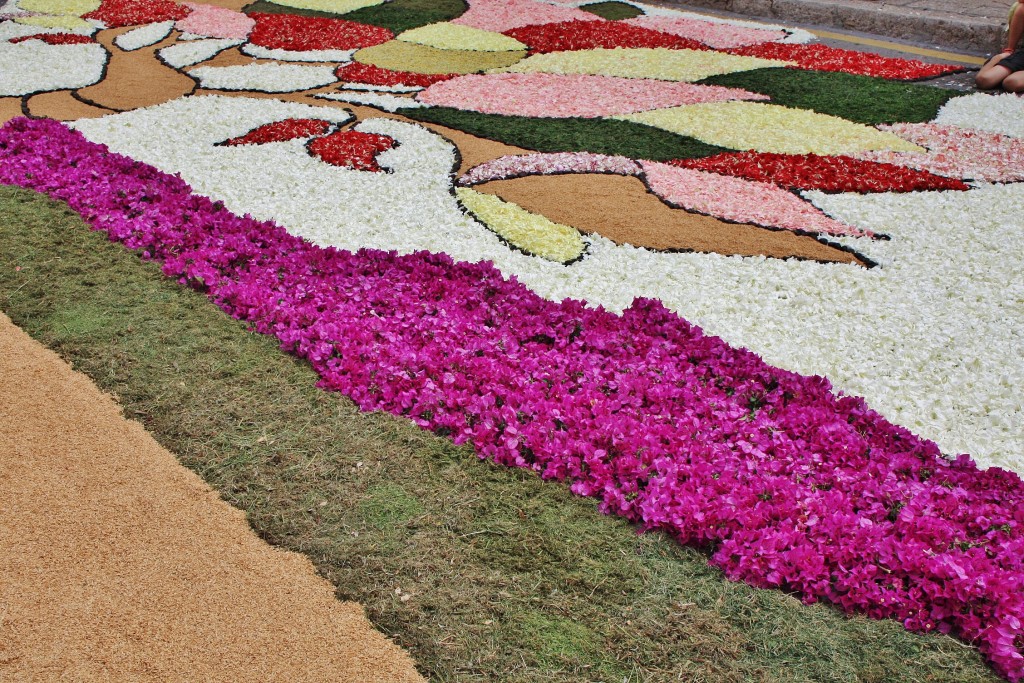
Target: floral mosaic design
(379, 246)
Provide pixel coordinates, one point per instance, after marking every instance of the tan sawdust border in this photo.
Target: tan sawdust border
(119, 564)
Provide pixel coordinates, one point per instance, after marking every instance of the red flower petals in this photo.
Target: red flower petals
(824, 58)
(374, 75)
(817, 172)
(587, 35)
(279, 131)
(116, 13)
(351, 149)
(300, 34)
(56, 38)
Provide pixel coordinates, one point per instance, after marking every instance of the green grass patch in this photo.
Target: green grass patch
(613, 11)
(857, 98)
(509, 578)
(602, 136)
(402, 15)
(273, 8)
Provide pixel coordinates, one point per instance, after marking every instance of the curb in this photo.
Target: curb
(974, 35)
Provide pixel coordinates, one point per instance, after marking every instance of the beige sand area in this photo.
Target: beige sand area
(119, 564)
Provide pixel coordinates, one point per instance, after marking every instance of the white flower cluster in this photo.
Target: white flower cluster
(33, 66)
(992, 112)
(144, 36)
(383, 101)
(930, 338)
(335, 56)
(181, 55)
(264, 77)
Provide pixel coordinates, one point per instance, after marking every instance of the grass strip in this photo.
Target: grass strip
(601, 136)
(508, 578)
(857, 98)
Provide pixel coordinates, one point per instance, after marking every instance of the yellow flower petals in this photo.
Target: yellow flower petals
(332, 6)
(446, 36)
(62, 7)
(530, 232)
(66, 21)
(658, 63)
(770, 128)
(399, 55)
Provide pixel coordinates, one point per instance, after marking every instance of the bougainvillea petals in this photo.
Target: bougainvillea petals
(503, 15)
(817, 172)
(819, 57)
(117, 13)
(302, 34)
(279, 131)
(215, 22)
(790, 484)
(711, 33)
(957, 152)
(56, 38)
(374, 75)
(572, 95)
(351, 149)
(589, 34)
(739, 200)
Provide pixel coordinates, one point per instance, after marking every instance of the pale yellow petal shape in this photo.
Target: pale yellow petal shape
(524, 230)
(333, 6)
(447, 36)
(67, 7)
(67, 21)
(770, 128)
(657, 63)
(399, 55)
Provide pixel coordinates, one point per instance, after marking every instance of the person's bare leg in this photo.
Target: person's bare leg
(991, 75)
(1014, 82)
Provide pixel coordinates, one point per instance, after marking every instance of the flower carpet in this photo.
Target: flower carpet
(749, 290)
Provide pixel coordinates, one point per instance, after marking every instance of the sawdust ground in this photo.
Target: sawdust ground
(118, 564)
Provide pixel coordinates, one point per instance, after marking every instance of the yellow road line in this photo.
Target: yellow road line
(938, 54)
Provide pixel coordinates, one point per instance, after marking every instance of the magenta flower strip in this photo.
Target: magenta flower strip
(789, 485)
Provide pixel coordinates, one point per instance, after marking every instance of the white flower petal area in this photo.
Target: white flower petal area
(993, 112)
(12, 29)
(336, 56)
(34, 66)
(384, 101)
(930, 337)
(264, 77)
(144, 36)
(192, 52)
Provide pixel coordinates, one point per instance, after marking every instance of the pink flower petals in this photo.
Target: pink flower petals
(351, 149)
(517, 166)
(501, 15)
(588, 34)
(280, 131)
(215, 22)
(713, 34)
(817, 172)
(302, 34)
(739, 200)
(566, 96)
(817, 57)
(957, 152)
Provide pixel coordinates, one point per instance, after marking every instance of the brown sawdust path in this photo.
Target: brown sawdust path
(119, 564)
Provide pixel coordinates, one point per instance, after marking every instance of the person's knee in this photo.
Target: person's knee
(987, 81)
(1014, 83)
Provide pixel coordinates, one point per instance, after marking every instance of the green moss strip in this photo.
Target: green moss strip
(601, 136)
(510, 579)
(613, 11)
(402, 15)
(858, 98)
